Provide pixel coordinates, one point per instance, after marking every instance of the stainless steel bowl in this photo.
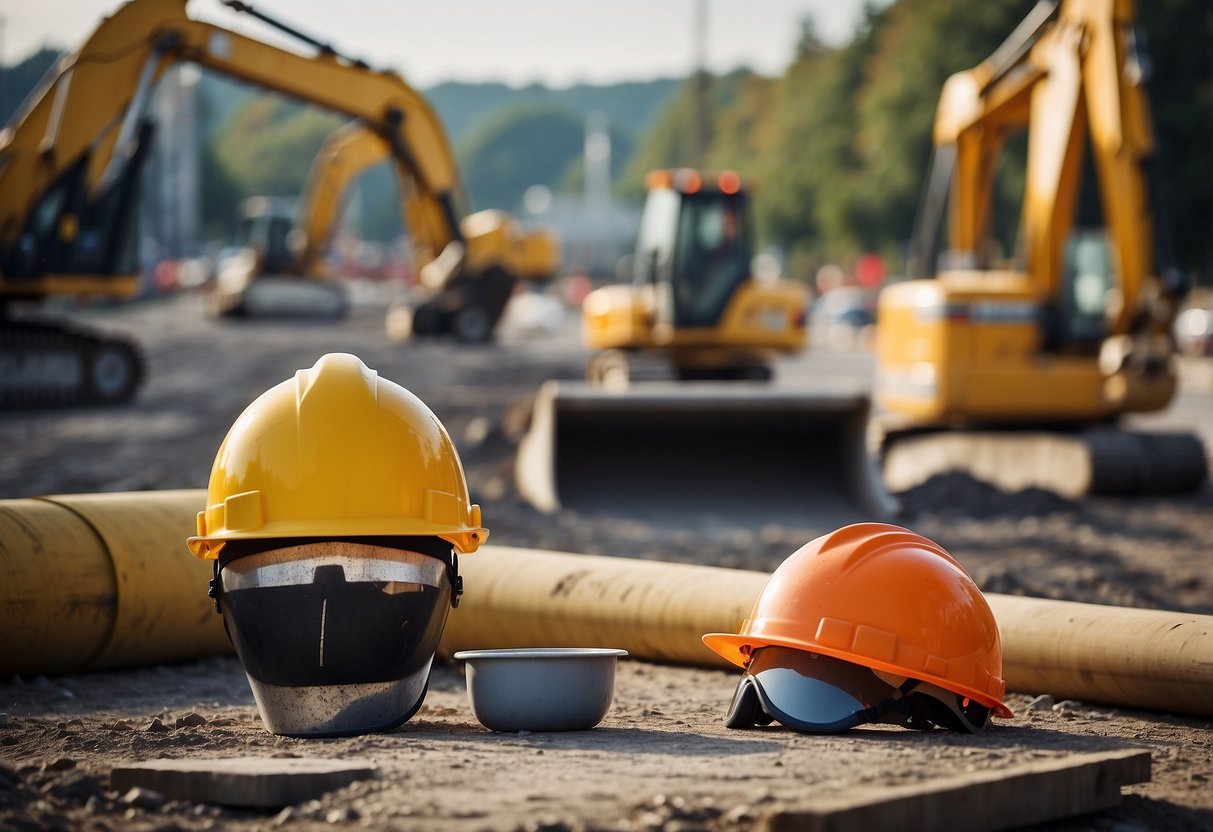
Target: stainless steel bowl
(541, 688)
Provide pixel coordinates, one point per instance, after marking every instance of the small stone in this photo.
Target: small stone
(285, 816)
(738, 814)
(8, 778)
(684, 826)
(1067, 705)
(121, 725)
(143, 798)
(156, 726)
(191, 720)
(61, 764)
(1041, 703)
(92, 805)
(342, 814)
(199, 809)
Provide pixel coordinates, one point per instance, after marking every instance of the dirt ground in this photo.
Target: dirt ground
(661, 759)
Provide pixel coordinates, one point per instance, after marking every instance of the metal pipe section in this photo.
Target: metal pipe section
(524, 598)
(103, 581)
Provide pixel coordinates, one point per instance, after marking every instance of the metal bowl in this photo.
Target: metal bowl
(541, 688)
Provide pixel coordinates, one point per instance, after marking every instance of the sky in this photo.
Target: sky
(556, 42)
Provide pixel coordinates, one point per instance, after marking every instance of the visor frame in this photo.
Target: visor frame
(915, 704)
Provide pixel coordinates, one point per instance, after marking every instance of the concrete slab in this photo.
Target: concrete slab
(241, 781)
(977, 800)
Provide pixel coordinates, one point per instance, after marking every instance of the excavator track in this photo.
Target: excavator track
(51, 363)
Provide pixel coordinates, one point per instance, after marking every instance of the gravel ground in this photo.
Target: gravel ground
(662, 758)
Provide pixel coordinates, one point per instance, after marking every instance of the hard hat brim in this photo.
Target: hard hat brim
(465, 540)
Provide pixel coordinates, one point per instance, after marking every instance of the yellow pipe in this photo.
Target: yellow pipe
(101, 581)
(521, 597)
(105, 581)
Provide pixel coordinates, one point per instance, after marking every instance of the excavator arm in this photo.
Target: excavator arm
(64, 153)
(1068, 72)
(346, 154)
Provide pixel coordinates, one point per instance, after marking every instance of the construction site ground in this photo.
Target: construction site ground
(662, 758)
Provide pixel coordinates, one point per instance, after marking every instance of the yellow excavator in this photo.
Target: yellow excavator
(1034, 361)
(714, 443)
(70, 163)
(287, 244)
(694, 310)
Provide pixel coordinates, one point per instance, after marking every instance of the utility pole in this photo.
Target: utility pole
(3, 112)
(702, 81)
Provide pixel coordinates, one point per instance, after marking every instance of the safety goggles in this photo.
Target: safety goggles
(817, 694)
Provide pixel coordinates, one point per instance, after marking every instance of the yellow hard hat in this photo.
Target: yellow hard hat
(337, 451)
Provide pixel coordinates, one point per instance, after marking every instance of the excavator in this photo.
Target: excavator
(1029, 366)
(677, 420)
(70, 163)
(693, 310)
(503, 253)
(286, 244)
(268, 275)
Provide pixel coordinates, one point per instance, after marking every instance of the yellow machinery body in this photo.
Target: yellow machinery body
(1078, 333)
(966, 348)
(693, 299)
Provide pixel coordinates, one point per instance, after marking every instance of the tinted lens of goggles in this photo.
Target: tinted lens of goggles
(817, 694)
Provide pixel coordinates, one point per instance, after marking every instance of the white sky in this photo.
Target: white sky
(558, 42)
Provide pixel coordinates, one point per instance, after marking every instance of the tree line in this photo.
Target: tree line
(838, 145)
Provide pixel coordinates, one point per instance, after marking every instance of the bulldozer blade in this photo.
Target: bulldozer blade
(738, 453)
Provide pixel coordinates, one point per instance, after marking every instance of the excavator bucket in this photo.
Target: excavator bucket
(740, 453)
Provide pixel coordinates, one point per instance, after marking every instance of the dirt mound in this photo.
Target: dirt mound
(962, 495)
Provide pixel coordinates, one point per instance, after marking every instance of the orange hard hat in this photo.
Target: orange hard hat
(884, 598)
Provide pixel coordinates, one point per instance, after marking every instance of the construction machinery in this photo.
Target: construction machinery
(677, 421)
(287, 244)
(69, 169)
(694, 310)
(1036, 361)
(266, 275)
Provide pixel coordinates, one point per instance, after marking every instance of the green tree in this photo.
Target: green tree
(1181, 96)
(670, 142)
(530, 144)
(18, 80)
(268, 145)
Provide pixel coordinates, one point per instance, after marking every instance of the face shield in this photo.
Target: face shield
(337, 637)
(817, 694)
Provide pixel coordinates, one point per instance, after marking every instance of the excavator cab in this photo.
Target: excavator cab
(693, 310)
(695, 248)
(73, 233)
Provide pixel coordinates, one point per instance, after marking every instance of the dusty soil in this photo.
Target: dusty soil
(662, 758)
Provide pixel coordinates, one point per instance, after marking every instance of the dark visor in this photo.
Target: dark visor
(817, 694)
